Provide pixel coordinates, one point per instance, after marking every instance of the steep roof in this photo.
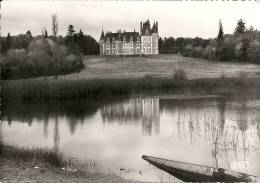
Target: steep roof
(155, 28)
(119, 36)
(146, 29)
(102, 35)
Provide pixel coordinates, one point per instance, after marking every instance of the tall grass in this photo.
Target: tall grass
(20, 153)
(36, 89)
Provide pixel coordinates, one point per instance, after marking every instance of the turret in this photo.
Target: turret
(146, 29)
(102, 35)
(155, 28)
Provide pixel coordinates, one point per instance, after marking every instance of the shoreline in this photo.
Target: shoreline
(61, 89)
(16, 167)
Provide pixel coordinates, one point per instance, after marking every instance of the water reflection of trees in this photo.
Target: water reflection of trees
(229, 128)
(75, 111)
(133, 111)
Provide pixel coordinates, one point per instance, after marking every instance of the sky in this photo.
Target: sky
(175, 18)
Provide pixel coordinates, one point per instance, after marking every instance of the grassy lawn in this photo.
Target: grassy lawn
(161, 66)
(104, 76)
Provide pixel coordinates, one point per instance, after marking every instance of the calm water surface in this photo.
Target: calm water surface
(220, 130)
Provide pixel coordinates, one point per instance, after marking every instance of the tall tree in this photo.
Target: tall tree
(54, 28)
(6, 43)
(220, 30)
(70, 38)
(240, 28)
(54, 25)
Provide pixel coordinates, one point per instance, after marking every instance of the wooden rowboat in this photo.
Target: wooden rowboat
(197, 173)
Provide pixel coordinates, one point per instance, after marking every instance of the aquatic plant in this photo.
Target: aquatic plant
(50, 156)
(36, 89)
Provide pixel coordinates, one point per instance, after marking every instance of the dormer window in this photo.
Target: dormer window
(108, 40)
(131, 39)
(124, 39)
(113, 39)
(138, 39)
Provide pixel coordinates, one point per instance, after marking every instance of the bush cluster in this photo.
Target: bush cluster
(43, 57)
(244, 48)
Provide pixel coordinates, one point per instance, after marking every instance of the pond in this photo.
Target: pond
(214, 128)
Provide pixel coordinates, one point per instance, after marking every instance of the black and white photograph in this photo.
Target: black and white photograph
(129, 91)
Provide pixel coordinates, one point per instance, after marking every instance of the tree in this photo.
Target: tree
(6, 43)
(29, 34)
(240, 28)
(180, 43)
(54, 25)
(21, 41)
(245, 43)
(54, 28)
(70, 38)
(161, 46)
(220, 31)
(254, 51)
(251, 29)
(81, 40)
(44, 32)
(91, 46)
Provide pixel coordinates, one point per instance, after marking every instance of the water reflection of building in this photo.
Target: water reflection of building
(150, 116)
(134, 110)
(130, 110)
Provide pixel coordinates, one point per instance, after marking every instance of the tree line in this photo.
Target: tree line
(26, 56)
(243, 45)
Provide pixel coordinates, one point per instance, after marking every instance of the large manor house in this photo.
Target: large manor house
(131, 43)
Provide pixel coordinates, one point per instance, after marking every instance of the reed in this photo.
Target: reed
(50, 156)
(37, 89)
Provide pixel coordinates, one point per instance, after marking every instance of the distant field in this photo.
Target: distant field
(160, 66)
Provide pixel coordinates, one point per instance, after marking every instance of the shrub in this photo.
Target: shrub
(242, 49)
(209, 52)
(179, 74)
(254, 51)
(43, 57)
(225, 53)
(187, 51)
